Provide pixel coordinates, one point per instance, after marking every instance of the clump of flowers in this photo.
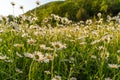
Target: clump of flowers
(55, 20)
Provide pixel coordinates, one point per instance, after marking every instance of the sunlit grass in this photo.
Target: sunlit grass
(59, 50)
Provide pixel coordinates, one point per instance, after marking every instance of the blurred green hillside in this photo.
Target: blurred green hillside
(77, 9)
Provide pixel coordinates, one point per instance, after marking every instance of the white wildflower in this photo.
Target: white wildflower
(58, 45)
(47, 57)
(99, 15)
(18, 70)
(94, 42)
(73, 78)
(108, 78)
(118, 51)
(42, 46)
(104, 54)
(3, 57)
(19, 55)
(47, 72)
(93, 57)
(18, 45)
(28, 55)
(38, 56)
(31, 41)
(114, 66)
(57, 78)
(25, 35)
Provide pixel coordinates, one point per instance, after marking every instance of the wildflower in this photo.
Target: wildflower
(82, 43)
(25, 35)
(93, 57)
(47, 58)
(3, 57)
(28, 55)
(104, 54)
(31, 41)
(58, 45)
(99, 15)
(94, 42)
(37, 33)
(34, 27)
(114, 66)
(12, 3)
(38, 56)
(107, 38)
(35, 19)
(38, 2)
(101, 48)
(48, 48)
(19, 55)
(108, 78)
(73, 78)
(18, 45)
(57, 78)
(118, 51)
(18, 70)
(42, 46)
(21, 7)
(1, 31)
(47, 72)
(8, 60)
(89, 22)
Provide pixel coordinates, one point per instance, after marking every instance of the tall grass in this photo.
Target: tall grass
(63, 51)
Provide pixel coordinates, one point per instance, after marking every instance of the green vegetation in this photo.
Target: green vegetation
(59, 48)
(74, 51)
(77, 10)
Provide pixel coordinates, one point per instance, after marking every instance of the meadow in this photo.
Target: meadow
(59, 49)
(86, 50)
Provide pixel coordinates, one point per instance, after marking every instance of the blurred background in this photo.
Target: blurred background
(6, 7)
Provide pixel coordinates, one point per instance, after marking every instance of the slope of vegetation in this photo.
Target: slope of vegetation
(77, 9)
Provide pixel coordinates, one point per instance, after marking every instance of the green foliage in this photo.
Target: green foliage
(77, 9)
(76, 51)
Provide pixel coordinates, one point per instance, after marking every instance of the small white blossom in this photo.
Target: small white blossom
(28, 55)
(114, 66)
(57, 78)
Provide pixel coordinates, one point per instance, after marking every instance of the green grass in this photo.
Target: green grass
(84, 52)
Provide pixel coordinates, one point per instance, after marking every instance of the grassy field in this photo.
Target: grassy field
(87, 50)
